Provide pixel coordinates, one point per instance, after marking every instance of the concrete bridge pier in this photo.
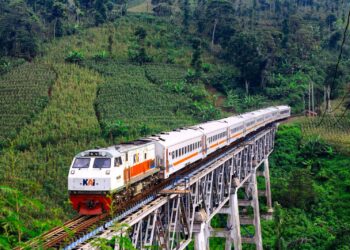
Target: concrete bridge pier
(255, 204)
(201, 236)
(233, 223)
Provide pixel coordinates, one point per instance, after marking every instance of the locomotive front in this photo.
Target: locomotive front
(90, 181)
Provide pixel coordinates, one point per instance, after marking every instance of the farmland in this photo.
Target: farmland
(334, 129)
(24, 92)
(127, 96)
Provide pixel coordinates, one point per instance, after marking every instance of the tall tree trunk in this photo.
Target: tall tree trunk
(247, 87)
(328, 99)
(213, 35)
(54, 29)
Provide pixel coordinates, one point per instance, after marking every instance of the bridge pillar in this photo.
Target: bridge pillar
(233, 223)
(201, 237)
(268, 186)
(255, 205)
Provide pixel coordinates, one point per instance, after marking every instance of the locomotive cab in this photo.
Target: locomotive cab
(92, 177)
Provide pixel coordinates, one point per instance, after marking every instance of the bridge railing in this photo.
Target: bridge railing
(183, 213)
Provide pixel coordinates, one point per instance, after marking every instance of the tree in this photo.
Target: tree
(19, 31)
(196, 62)
(186, 14)
(300, 191)
(57, 13)
(220, 15)
(330, 20)
(334, 39)
(101, 12)
(244, 53)
(333, 82)
(138, 53)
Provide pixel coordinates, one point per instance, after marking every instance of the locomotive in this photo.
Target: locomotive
(99, 176)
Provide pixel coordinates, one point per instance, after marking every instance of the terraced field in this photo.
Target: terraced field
(24, 92)
(127, 96)
(333, 129)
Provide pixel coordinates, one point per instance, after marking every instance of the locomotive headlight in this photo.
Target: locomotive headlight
(108, 171)
(72, 171)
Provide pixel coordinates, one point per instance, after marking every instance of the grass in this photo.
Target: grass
(140, 6)
(39, 157)
(128, 96)
(24, 92)
(333, 129)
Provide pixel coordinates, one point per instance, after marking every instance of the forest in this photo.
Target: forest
(77, 74)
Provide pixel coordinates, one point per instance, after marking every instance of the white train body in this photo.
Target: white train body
(94, 174)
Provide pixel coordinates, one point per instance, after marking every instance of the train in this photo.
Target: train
(100, 177)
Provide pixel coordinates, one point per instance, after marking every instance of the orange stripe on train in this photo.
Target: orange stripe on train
(217, 144)
(137, 169)
(185, 159)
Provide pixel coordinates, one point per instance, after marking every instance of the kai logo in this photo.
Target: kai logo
(88, 182)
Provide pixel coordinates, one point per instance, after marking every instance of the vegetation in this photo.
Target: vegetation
(310, 189)
(80, 74)
(130, 105)
(24, 92)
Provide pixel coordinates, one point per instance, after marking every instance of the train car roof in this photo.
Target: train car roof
(209, 127)
(232, 120)
(115, 150)
(176, 136)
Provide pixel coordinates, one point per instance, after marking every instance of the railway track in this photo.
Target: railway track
(74, 229)
(57, 235)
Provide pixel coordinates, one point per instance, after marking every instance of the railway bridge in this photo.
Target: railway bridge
(182, 212)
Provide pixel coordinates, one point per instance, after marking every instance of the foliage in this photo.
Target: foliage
(24, 92)
(314, 200)
(19, 30)
(66, 126)
(139, 101)
(101, 56)
(196, 62)
(74, 57)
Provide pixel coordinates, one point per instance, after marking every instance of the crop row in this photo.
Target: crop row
(128, 95)
(164, 73)
(23, 93)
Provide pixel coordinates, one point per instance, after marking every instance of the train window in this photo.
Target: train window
(145, 156)
(126, 157)
(183, 151)
(81, 163)
(176, 153)
(191, 147)
(173, 155)
(102, 163)
(118, 161)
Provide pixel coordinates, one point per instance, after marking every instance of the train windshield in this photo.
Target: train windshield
(102, 163)
(81, 163)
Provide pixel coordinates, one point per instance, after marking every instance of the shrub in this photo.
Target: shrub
(74, 57)
(115, 129)
(101, 56)
(206, 67)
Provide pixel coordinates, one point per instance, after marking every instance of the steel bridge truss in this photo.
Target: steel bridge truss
(183, 213)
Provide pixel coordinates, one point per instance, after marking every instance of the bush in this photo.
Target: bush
(115, 129)
(74, 57)
(101, 56)
(206, 67)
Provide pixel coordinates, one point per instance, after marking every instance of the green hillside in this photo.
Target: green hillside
(24, 92)
(81, 74)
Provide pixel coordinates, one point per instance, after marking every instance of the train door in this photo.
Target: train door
(118, 170)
